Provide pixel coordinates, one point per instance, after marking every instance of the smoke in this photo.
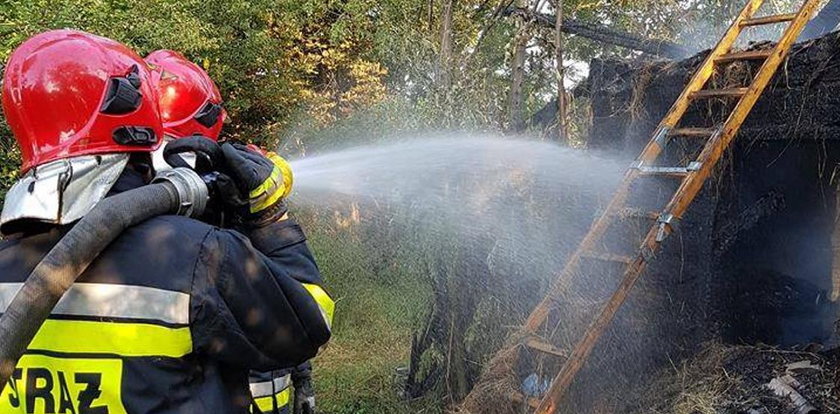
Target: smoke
(707, 28)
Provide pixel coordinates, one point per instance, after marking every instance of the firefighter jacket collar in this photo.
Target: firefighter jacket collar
(62, 191)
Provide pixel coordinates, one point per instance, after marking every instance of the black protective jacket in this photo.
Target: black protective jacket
(169, 319)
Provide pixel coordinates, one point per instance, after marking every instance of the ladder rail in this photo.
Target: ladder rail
(649, 154)
(679, 203)
(584, 347)
(714, 150)
(702, 75)
(543, 309)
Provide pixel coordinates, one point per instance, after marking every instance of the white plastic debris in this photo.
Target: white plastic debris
(784, 386)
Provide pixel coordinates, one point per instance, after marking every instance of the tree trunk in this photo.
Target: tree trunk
(517, 72)
(430, 18)
(561, 76)
(445, 63)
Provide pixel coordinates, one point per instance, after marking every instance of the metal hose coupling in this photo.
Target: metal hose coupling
(191, 189)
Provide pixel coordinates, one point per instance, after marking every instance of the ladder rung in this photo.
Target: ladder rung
(675, 172)
(522, 399)
(629, 212)
(547, 348)
(778, 18)
(693, 132)
(747, 55)
(608, 257)
(720, 93)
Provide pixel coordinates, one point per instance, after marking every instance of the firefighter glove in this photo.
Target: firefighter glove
(263, 179)
(304, 397)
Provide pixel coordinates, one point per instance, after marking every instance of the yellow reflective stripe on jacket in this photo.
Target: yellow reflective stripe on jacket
(278, 185)
(266, 404)
(324, 301)
(268, 192)
(116, 338)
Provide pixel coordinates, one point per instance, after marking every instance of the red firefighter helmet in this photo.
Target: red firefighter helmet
(190, 103)
(68, 93)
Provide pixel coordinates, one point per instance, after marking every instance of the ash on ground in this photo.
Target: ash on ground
(734, 380)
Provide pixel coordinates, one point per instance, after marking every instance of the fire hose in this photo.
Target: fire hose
(178, 191)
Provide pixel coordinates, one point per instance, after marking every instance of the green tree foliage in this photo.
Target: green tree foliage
(234, 40)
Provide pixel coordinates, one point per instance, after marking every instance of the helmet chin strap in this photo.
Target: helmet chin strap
(62, 191)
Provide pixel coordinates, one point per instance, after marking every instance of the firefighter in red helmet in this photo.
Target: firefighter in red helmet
(76, 121)
(190, 105)
(174, 313)
(189, 100)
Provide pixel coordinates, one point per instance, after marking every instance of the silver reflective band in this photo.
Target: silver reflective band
(62, 191)
(269, 388)
(114, 301)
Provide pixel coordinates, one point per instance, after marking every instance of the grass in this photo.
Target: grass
(378, 306)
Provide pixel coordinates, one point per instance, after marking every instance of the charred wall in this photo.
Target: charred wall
(756, 247)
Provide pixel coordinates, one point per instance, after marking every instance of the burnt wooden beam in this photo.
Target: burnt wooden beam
(605, 34)
(765, 207)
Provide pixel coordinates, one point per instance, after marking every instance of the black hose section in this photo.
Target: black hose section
(60, 268)
(208, 153)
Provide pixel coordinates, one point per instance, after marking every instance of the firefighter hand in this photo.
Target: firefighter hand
(304, 398)
(263, 179)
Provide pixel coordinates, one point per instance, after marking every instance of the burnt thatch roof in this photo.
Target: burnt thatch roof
(629, 99)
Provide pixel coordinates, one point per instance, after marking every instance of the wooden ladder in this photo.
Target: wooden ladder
(692, 177)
